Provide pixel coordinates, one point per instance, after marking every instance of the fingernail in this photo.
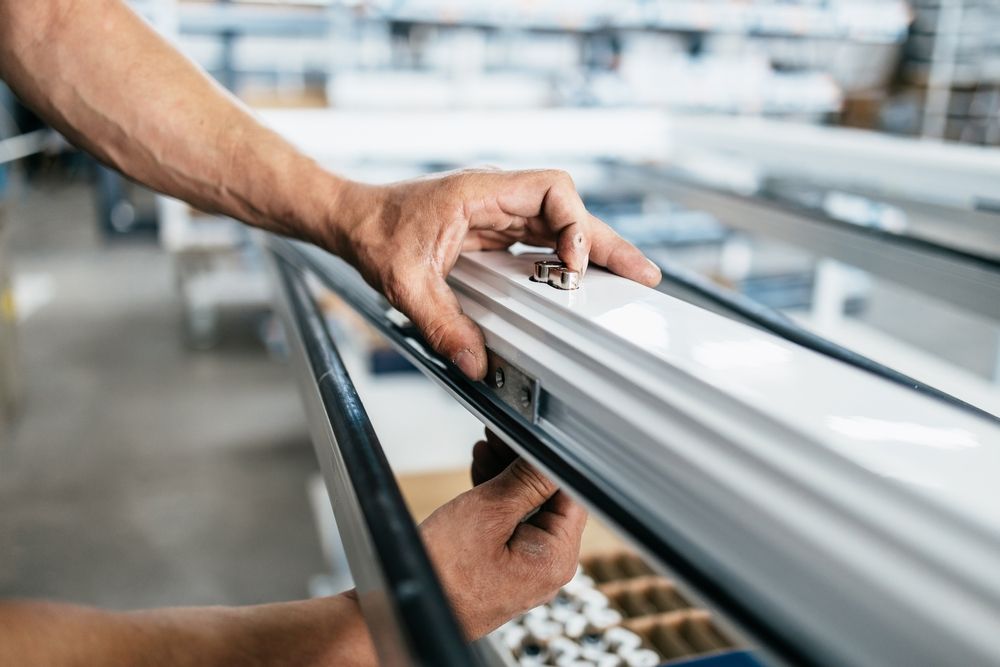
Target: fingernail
(468, 364)
(654, 271)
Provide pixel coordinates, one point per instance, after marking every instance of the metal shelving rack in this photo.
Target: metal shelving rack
(879, 21)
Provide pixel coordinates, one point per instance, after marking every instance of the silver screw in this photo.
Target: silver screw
(498, 378)
(526, 397)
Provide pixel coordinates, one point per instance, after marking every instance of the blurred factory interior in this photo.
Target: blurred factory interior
(825, 171)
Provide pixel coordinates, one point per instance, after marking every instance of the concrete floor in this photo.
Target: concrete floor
(142, 473)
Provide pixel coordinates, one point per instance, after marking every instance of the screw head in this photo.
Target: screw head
(498, 378)
(526, 398)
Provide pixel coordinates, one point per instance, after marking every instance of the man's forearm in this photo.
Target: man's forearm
(104, 78)
(110, 83)
(327, 631)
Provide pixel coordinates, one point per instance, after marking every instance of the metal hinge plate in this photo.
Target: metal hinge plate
(512, 386)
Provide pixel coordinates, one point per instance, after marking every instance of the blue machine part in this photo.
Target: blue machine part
(727, 659)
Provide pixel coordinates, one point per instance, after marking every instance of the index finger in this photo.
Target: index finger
(550, 196)
(568, 218)
(614, 253)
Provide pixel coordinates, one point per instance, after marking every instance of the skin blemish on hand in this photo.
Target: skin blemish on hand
(531, 547)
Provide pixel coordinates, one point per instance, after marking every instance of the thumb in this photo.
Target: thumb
(520, 488)
(434, 310)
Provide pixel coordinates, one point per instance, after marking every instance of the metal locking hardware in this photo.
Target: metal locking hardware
(512, 385)
(555, 273)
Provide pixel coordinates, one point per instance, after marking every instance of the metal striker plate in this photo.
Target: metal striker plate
(556, 274)
(512, 385)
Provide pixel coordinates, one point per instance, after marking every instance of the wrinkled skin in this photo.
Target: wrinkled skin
(493, 563)
(415, 231)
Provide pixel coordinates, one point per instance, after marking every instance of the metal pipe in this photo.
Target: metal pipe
(22, 145)
(962, 278)
(406, 585)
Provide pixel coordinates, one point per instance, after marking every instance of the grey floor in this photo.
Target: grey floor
(143, 473)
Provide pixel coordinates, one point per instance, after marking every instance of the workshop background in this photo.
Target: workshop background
(153, 447)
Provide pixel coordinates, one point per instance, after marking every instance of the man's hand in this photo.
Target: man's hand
(493, 562)
(406, 238)
(117, 89)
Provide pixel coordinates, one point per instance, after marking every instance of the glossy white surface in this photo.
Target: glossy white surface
(847, 510)
(942, 452)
